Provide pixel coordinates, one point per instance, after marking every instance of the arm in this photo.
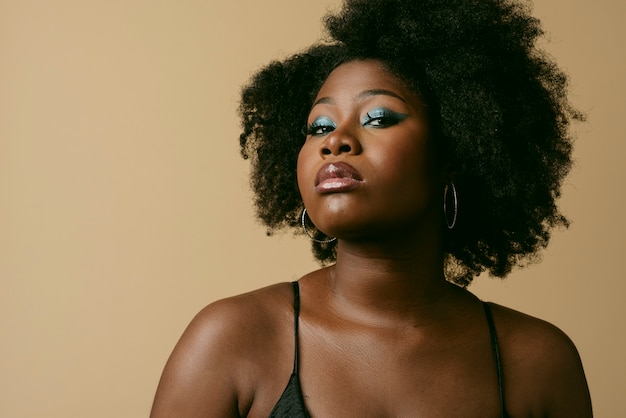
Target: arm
(198, 380)
(569, 396)
(543, 372)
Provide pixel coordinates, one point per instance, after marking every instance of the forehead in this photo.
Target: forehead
(353, 77)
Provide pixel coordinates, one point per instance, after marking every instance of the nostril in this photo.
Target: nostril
(325, 151)
(345, 148)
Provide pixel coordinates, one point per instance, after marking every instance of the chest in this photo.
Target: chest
(431, 375)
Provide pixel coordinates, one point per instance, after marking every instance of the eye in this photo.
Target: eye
(321, 126)
(382, 118)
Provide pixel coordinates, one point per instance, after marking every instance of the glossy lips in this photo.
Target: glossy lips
(337, 177)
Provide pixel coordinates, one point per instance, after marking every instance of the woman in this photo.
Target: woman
(435, 141)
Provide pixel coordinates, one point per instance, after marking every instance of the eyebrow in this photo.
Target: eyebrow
(378, 92)
(363, 95)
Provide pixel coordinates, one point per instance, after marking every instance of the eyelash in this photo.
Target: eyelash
(378, 118)
(384, 117)
(322, 123)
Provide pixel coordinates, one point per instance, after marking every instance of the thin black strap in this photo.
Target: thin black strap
(496, 355)
(296, 316)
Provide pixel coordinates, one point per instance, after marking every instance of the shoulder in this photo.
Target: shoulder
(218, 361)
(541, 364)
(524, 334)
(246, 317)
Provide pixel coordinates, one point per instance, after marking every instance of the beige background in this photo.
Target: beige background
(124, 206)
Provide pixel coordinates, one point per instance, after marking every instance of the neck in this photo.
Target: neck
(390, 280)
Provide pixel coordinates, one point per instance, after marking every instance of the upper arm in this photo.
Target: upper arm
(568, 395)
(543, 372)
(198, 379)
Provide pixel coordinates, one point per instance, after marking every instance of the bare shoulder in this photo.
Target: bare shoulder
(245, 318)
(216, 364)
(543, 373)
(524, 335)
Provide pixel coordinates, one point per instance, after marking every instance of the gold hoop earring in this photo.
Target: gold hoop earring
(306, 231)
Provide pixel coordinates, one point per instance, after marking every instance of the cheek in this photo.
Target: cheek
(409, 173)
(303, 170)
(409, 159)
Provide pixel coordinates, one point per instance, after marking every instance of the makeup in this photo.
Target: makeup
(381, 117)
(337, 177)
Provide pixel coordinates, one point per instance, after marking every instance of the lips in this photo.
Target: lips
(337, 177)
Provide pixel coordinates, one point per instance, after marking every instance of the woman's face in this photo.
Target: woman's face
(368, 167)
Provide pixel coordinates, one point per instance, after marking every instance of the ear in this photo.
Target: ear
(452, 172)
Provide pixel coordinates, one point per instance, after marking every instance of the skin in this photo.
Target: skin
(382, 333)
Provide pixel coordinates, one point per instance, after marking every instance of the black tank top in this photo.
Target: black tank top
(291, 402)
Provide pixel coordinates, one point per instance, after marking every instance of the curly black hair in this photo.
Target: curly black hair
(498, 105)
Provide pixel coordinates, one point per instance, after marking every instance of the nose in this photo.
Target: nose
(340, 141)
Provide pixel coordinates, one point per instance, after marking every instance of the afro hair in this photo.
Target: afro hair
(498, 105)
